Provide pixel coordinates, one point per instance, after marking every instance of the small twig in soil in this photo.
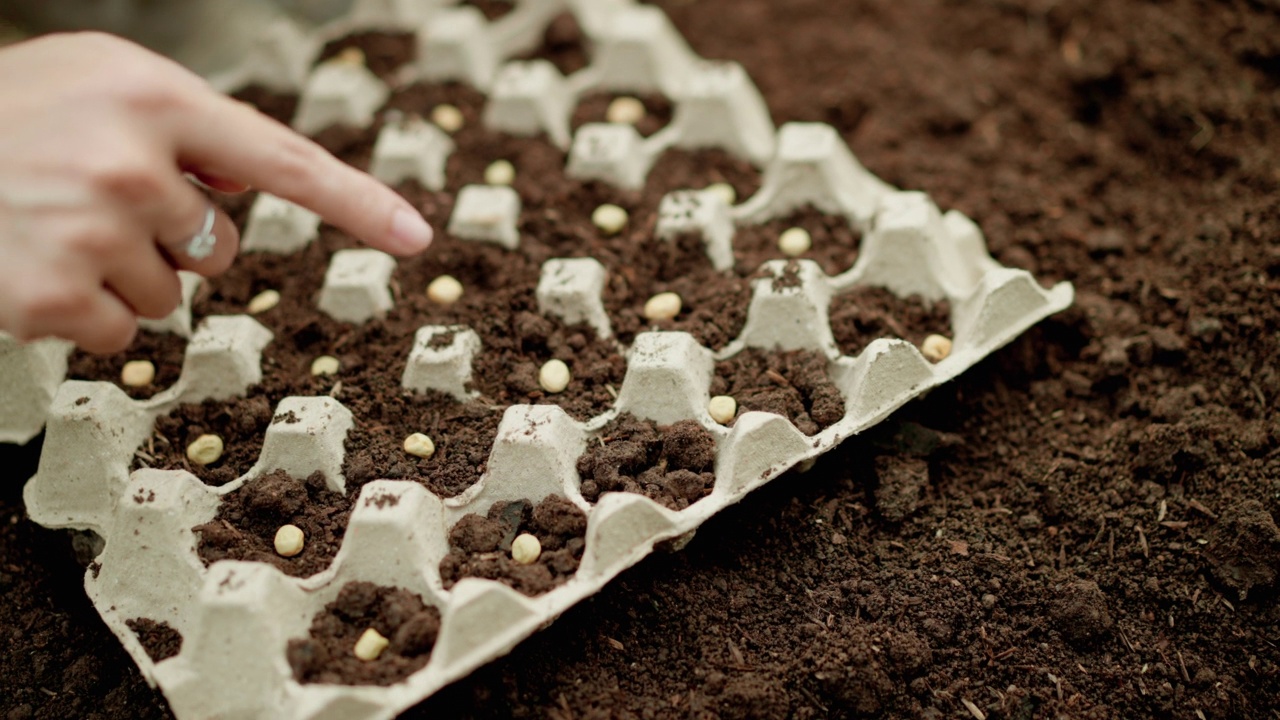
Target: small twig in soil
(974, 710)
(1124, 638)
(1098, 537)
(777, 378)
(1197, 506)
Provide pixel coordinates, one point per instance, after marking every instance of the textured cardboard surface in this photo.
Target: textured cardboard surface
(238, 617)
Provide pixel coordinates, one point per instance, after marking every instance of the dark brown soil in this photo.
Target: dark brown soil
(248, 518)
(671, 465)
(868, 313)
(594, 109)
(480, 545)
(835, 242)
(792, 384)
(240, 423)
(164, 350)
(327, 654)
(1053, 563)
(384, 53)
(159, 639)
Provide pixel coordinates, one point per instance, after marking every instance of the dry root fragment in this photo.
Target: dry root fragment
(935, 348)
(501, 172)
(289, 541)
(419, 445)
(795, 242)
(611, 219)
(445, 290)
(263, 301)
(526, 549)
(370, 645)
(663, 306)
(448, 118)
(554, 376)
(138, 373)
(325, 365)
(722, 409)
(625, 110)
(205, 450)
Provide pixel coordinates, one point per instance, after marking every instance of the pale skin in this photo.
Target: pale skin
(95, 137)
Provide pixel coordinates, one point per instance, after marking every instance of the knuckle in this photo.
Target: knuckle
(163, 300)
(297, 161)
(97, 242)
(129, 181)
(43, 302)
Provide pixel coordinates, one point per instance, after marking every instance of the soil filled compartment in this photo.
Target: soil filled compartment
(462, 434)
(865, 314)
(249, 518)
(383, 52)
(480, 546)
(328, 654)
(165, 352)
(833, 242)
(792, 384)
(672, 465)
(240, 426)
(594, 108)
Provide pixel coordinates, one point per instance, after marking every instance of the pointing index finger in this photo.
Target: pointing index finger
(233, 140)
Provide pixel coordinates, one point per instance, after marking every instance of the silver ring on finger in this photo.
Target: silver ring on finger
(202, 244)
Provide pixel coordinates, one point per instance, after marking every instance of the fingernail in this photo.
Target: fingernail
(411, 233)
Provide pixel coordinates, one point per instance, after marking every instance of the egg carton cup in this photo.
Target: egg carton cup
(237, 618)
(95, 430)
(30, 374)
(29, 378)
(633, 48)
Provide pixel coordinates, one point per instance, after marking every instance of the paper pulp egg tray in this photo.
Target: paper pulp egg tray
(236, 619)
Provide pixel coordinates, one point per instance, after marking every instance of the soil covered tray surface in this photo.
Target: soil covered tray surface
(1083, 526)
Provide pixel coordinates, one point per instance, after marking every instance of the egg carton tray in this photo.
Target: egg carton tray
(237, 618)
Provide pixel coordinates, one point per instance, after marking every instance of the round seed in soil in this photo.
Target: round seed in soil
(663, 306)
(350, 56)
(445, 290)
(795, 242)
(205, 450)
(724, 191)
(554, 376)
(526, 549)
(501, 172)
(419, 445)
(722, 409)
(263, 301)
(289, 541)
(625, 110)
(611, 219)
(138, 373)
(935, 348)
(448, 118)
(370, 645)
(325, 365)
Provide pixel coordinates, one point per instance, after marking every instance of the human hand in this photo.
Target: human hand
(95, 213)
